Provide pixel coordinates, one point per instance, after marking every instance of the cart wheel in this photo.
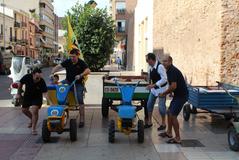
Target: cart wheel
(228, 117)
(105, 107)
(45, 132)
(186, 112)
(194, 110)
(73, 130)
(140, 131)
(233, 139)
(112, 131)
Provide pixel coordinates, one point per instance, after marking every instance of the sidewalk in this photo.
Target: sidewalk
(204, 138)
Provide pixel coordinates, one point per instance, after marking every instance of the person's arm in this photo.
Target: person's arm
(85, 73)
(163, 74)
(56, 69)
(170, 89)
(172, 78)
(23, 81)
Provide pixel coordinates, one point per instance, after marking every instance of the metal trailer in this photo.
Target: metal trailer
(211, 99)
(111, 92)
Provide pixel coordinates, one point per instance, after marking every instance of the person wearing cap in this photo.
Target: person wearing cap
(75, 68)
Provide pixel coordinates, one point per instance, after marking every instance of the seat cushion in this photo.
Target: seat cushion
(126, 111)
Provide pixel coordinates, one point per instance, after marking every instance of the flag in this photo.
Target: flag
(71, 38)
(73, 43)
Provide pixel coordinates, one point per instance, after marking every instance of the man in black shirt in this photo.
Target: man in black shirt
(75, 69)
(180, 96)
(35, 87)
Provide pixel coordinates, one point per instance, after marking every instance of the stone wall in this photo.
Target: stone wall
(230, 42)
(191, 32)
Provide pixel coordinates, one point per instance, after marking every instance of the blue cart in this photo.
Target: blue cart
(222, 99)
(212, 99)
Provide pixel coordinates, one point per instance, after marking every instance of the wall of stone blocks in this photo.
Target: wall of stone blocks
(230, 42)
(191, 32)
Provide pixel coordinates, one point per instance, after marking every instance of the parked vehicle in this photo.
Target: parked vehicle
(57, 61)
(20, 66)
(58, 115)
(127, 122)
(37, 64)
(111, 92)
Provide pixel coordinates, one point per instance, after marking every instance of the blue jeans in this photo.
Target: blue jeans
(79, 91)
(161, 105)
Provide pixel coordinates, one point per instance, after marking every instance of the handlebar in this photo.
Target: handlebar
(117, 83)
(220, 84)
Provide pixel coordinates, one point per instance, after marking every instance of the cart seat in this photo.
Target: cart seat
(126, 111)
(127, 93)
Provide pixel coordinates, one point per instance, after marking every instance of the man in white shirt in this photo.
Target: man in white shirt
(158, 84)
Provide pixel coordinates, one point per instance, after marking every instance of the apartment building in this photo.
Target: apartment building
(21, 33)
(47, 25)
(121, 11)
(8, 18)
(44, 11)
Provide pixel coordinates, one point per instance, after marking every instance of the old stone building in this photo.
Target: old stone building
(202, 37)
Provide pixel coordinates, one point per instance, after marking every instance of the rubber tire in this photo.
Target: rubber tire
(105, 107)
(18, 103)
(140, 131)
(45, 132)
(73, 130)
(233, 134)
(112, 131)
(186, 112)
(228, 117)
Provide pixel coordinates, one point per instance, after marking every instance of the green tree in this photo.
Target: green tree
(95, 33)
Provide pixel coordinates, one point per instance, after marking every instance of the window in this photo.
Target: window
(121, 25)
(22, 35)
(1, 29)
(120, 7)
(11, 33)
(15, 34)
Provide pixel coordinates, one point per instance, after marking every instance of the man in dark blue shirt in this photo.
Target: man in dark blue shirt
(178, 87)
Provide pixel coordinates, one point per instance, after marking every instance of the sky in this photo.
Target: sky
(61, 6)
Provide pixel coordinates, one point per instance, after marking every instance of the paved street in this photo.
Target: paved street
(204, 137)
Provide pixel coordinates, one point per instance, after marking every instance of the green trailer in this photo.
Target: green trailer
(112, 95)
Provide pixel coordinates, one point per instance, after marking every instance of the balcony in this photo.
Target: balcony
(120, 29)
(24, 41)
(17, 24)
(120, 11)
(48, 3)
(24, 24)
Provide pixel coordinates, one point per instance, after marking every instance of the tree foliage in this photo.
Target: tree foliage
(95, 32)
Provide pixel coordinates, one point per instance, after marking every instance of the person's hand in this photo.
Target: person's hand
(51, 76)
(150, 86)
(78, 77)
(162, 95)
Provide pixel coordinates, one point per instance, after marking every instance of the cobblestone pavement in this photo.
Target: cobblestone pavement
(204, 138)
